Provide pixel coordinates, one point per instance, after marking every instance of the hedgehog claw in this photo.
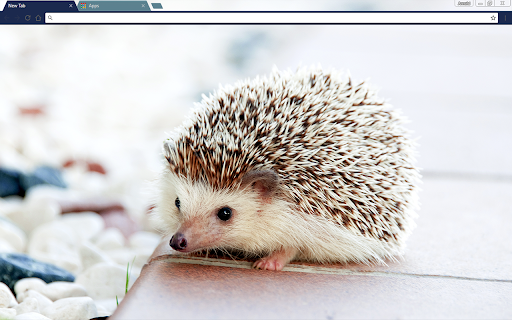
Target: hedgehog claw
(269, 263)
(275, 261)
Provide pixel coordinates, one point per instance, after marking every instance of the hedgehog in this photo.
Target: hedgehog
(307, 166)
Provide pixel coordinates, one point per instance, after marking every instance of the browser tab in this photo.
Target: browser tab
(157, 6)
(32, 12)
(113, 6)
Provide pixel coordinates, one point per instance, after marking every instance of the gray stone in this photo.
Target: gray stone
(10, 183)
(16, 266)
(42, 175)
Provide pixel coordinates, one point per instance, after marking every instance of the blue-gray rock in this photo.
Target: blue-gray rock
(13, 182)
(42, 175)
(10, 183)
(17, 266)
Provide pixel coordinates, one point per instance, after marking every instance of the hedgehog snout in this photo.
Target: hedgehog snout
(178, 242)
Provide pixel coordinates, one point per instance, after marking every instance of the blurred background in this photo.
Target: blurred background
(109, 95)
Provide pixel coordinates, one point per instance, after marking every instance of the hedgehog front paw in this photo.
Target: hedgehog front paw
(275, 261)
(268, 264)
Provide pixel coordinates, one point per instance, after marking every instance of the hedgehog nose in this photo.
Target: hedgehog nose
(178, 242)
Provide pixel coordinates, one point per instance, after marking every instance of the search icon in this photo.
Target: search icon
(50, 17)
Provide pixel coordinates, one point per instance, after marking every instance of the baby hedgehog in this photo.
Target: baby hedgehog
(298, 166)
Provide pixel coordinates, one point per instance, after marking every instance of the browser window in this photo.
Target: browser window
(90, 90)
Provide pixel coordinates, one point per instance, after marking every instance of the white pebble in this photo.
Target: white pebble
(12, 234)
(7, 313)
(26, 284)
(103, 281)
(86, 225)
(6, 247)
(82, 308)
(122, 256)
(28, 305)
(144, 239)
(110, 305)
(62, 289)
(134, 274)
(141, 257)
(47, 191)
(91, 255)
(31, 316)
(90, 184)
(102, 312)
(110, 239)
(42, 300)
(34, 213)
(7, 299)
(9, 205)
(56, 243)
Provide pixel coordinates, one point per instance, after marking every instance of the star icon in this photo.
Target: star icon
(493, 18)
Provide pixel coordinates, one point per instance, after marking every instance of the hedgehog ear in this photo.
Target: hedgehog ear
(266, 182)
(169, 151)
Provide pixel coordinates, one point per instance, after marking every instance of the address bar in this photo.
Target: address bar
(271, 17)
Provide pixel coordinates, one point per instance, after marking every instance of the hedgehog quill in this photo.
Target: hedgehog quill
(303, 165)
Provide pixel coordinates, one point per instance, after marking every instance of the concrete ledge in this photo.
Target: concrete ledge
(169, 289)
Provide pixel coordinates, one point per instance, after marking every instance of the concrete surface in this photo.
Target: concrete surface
(168, 290)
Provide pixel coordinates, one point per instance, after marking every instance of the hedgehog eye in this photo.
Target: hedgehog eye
(224, 214)
(177, 202)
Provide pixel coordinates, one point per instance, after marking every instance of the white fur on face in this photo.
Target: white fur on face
(249, 228)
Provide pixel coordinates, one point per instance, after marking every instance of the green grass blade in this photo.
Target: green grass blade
(127, 277)
(128, 272)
